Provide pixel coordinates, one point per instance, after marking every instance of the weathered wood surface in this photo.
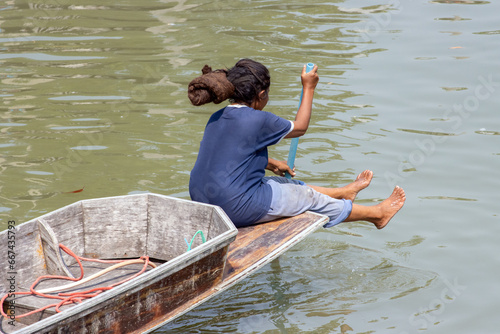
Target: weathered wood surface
(131, 310)
(50, 245)
(185, 218)
(115, 227)
(29, 303)
(257, 245)
(67, 223)
(29, 260)
(124, 227)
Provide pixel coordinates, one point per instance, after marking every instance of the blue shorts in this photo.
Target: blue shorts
(293, 197)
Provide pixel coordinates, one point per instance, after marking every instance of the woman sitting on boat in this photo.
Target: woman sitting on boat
(230, 168)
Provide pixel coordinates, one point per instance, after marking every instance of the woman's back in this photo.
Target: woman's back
(232, 161)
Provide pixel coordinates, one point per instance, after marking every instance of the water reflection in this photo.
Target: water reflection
(461, 2)
(310, 289)
(45, 57)
(31, 38)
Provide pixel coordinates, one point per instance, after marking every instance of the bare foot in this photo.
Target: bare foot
(362, 181)
(390, 206)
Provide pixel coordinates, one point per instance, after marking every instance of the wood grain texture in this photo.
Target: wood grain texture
(172, 220)
(29, 258)
(259, 244)
(115, 227)
(50, 245)
(129, 312)
(67, 224)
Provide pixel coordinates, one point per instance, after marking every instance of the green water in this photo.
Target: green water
(94, 97)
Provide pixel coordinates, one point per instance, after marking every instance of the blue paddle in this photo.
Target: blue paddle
(295, 141)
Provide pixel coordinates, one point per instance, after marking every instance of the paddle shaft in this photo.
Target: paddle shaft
(295, 141)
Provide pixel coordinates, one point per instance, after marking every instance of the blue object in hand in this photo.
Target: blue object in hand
(295, 141)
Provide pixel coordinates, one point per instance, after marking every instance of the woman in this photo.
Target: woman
(230, 168)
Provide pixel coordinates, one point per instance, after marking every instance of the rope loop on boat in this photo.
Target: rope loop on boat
(190, 244)
(66, 298)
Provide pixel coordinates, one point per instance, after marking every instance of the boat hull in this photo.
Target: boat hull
(156, 297)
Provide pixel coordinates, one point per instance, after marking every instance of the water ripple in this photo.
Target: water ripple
(54, 38)
(89, 148)
(88, 98)
(45, 57)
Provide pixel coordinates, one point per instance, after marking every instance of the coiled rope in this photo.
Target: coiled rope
(66, 298)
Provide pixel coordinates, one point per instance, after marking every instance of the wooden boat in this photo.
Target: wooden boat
(127, 227)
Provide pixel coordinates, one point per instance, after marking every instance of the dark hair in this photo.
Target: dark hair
(249, 78)
(241, 83)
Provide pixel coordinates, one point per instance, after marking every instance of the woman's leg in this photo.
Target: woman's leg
(349, 191)
(291, 198)
(381, 213)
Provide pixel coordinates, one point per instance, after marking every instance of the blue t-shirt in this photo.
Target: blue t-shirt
(232, 160)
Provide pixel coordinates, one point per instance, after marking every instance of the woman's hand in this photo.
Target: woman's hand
(279, 167)
(309, 79)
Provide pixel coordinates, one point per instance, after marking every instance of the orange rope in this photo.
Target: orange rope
(71, 297)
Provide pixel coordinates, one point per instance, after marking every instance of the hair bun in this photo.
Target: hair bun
(206, 69)
(212, 86)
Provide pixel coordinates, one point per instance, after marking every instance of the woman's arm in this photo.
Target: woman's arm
(301, 123)
(279, 167)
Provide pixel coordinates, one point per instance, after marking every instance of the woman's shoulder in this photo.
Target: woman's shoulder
(248, 113)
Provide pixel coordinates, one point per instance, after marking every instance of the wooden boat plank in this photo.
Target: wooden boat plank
(68, 222)
(29, 257)
(259, 244)
(132, 308)
(102, 235)
(163, 244)
(26, 304)
(53, 260)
